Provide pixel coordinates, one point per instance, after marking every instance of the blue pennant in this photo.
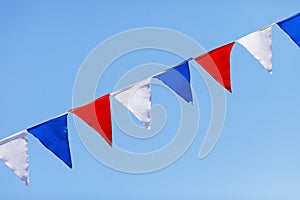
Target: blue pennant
(292, 27)
(178, 79)
(53, 134)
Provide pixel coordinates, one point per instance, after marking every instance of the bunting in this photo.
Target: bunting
(292, 27)
(137, 99)
(259, 44)
(217, 64)
(97, 115)
(178, 79)
(53, 134)
(14, 153)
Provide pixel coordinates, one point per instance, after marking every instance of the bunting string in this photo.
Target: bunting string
(53, 134)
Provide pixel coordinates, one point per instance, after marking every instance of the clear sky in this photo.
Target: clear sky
(43, 44)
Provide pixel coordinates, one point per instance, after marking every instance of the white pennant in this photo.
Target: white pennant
(259, 44)
(14, 153)
(137, 99)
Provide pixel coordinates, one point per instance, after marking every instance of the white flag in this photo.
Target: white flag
(14, 153)
(259, 44)
(137, 99)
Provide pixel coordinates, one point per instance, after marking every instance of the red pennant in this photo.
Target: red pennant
(97, 115)
(217, 64)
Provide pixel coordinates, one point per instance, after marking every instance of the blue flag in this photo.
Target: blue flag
(292, 27)
(178, 79)
(53, 134)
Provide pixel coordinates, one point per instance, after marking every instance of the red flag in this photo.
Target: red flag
(217, 64)
(97, 115)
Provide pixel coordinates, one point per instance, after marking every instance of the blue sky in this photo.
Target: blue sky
(43, 44)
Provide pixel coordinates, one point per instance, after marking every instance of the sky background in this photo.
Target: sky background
(43, 44)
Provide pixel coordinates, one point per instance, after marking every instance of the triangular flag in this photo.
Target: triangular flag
(14, 153)
(259, 44)
(137, 99)
(97, 115)
(178, 79)
(217, 64)
(53, 134)
(292, 27)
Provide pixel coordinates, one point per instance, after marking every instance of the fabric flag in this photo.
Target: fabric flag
(14, 153)
(259, 44)
(178, 79)
(292, 27)
(98, 116)
(137, 99)
(53, 134)
(217, 64)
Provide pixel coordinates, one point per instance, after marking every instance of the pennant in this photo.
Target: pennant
(217, 64)
(178, 79)
(98, 116)
(14, 153)
(137, 99)
(259, 44)
(53, 134)
(292, 27)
